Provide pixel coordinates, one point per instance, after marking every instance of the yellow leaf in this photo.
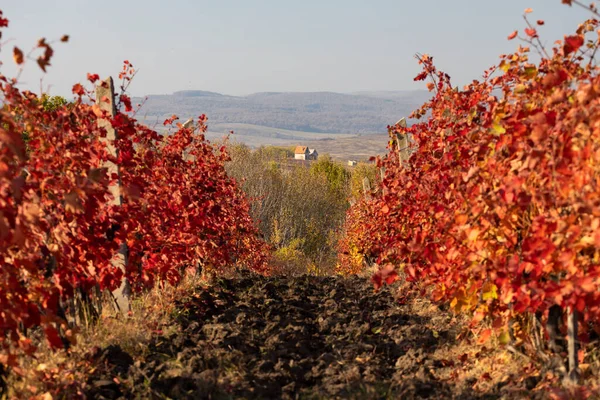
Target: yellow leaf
(454, 303)
(530, 71)
(504, 338)
(520, 88)
(499, 129)
(41, 367)
(489, 291)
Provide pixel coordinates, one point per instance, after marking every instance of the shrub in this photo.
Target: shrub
(59, 228)
(496, 212)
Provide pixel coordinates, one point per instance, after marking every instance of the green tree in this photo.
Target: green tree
(52, 103)
(336, 174)
(359, 172)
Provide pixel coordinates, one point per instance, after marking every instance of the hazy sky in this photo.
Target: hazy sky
(242, 46)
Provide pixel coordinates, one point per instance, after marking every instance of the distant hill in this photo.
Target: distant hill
(325, 113)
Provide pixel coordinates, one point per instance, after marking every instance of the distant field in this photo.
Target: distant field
(352, 148)
(256, 135)
(340, 146)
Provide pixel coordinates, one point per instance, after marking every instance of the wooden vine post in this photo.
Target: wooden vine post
(402, 143)
(366, 187)
(572, 338)
(105, 99)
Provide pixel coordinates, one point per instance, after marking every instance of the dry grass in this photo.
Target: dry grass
(490, 367)
(63, 373)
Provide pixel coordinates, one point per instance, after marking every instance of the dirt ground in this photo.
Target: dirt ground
(301, 338)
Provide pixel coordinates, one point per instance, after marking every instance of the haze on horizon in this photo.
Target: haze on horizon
(240, 47)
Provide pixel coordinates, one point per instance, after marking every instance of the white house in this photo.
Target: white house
(301, 153)
(304, 153)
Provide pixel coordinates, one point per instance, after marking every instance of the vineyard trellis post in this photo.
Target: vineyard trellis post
(366, 187)
(402, 143)
(572, 339)
(105, 99)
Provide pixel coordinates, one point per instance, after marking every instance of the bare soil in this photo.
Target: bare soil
(297, 338)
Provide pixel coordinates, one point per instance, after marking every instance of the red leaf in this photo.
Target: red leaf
(93, 77)
(391, 278)
(53, 337)
(572, 44)
(421, 76)
(3, 21)
(78, 89)
(513, 35)
(126, 102)
(14, 141)
(386, 274)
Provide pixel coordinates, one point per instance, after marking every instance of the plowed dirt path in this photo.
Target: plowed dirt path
(292, 338)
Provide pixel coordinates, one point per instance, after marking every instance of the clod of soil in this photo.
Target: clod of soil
(288, 338)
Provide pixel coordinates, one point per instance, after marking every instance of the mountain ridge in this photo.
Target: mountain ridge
(316, 112)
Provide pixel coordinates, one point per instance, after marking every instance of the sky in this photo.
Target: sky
(238, 47)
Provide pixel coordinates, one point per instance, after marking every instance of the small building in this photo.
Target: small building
(352, 163)
(304, 153)
(301, 153)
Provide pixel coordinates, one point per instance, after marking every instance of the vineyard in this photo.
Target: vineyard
(463, 264)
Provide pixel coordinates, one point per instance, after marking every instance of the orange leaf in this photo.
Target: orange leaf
(484, 335)
(528, 10)
(531, 32)
(473, 234)
(588, 284)
(18, 55)
(513, 35)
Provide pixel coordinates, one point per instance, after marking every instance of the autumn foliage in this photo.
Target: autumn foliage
(59, 228)
(497, 212)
